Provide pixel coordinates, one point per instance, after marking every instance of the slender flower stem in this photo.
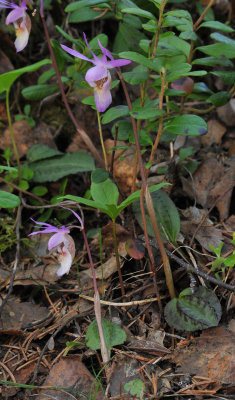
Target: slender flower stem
(117, 258)
(97, 307)
(80, 131)
(149, 203)
(12, 134)
(102, 141)
(159, 133)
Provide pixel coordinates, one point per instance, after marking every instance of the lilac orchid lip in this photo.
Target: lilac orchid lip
(98, 77)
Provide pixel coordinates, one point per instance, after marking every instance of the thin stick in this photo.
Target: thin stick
(23, 191)
(12, 134)
(117, 257)
(126, 304)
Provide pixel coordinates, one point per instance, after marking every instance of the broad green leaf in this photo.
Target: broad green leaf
(53, 169)
(105, 192)
(114, 113)
(39, 190)
(87, 202)
(5, 168)
(41, 151)
(127, 37)
(76, 5)
(139, 12)
(219, 99)
(84, 14)
(192, 311)
(45, 76)
(8, 200)
(223, 39)
(166, 213)
(219, 50)
(228, 77)
(99, 175)
(179, 14)
(146, 112)
(135, 77)
(216, 25)
(68, 37)
(113, 335)
(139, 58)
(38, 92)
(124, 129)
(187, 125)
(213, 61)
(7, 79)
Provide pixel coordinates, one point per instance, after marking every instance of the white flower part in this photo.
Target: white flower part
(66, 252)
(22, 27)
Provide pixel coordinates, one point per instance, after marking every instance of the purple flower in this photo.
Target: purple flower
(99, 76)
(61, 242)
(21, 22)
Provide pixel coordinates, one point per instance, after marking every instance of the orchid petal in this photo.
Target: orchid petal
(117, 63)
(15, 14)
(105, 51)
(57, 239)
(7, 4)
(95, 74)
(76, 54)
(76, 215)
(95, 57)
(65, 264)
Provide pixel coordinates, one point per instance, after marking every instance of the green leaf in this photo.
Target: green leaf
(26, 173)
(40, 152)
(99, 175)
(114, 113)
(228, 77)
(213, 61)
(138, 11)
(217, 25)
(223, 39)
(76, 5)
(135, 387)
(84, 14)
(139, 58)
(89, 203)
(53, 169)
(8, 200)
(40, 190)
(105, 192)
(7, 79)
(146, 112)
(124, 129)
(219, 50)
(38, 92)
(135, 77)
(220, 98)
(193, 311)
(12, 169)
(187, 125)
(166, 214)
(113, 335)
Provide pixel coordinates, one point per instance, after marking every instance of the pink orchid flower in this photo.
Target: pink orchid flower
(21, 22)
(99, 76)
(61, 242)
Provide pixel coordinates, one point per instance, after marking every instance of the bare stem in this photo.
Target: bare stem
(162, 6)
(117, 258)
(80, 131)
(210, 4)
(97, 307)
(102, 141)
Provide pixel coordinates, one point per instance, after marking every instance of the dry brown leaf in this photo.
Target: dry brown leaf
(70, 372)
(212, 355)
(210, 181)
(215, 133)
(124, 167)
(19, 316)
(22, 376)
(227, 113)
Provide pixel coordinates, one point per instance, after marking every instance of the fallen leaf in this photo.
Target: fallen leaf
(227, 113)
(123, 166)
(211, 355)
(215, 133)
(70, 373)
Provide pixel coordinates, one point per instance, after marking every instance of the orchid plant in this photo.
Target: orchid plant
(98, 77)
(21, 21)
(61, 242)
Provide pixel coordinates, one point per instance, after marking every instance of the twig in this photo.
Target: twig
(17, 259)
(127, 304)
(190, 268)
(23, 191)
